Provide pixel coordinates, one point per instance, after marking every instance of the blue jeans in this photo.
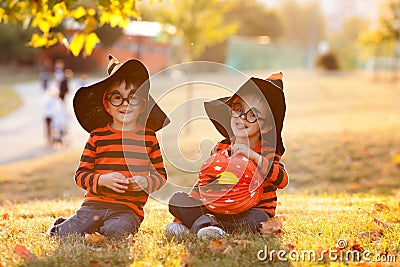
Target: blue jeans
(106, 220)
(194, 215)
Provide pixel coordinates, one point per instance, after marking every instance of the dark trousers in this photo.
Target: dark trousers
(194, 215)
(105, 220)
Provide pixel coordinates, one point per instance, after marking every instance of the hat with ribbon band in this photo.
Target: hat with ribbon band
(271, 89)
(89, 101)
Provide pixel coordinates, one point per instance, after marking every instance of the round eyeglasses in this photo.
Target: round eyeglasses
(237, 111)
(117, 100)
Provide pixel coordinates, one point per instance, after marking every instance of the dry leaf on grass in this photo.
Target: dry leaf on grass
(396, 159)
(355, 245)
(185, 256)
(272, 227)
(289, 246)
(372, 235)
(24, 253)
(242, 244)
(94, 263)
(217, 244)
(95, 238)
(380, 207)
(324, 253)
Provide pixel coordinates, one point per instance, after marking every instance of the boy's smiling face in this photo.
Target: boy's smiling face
(124, 106)
(256, 112)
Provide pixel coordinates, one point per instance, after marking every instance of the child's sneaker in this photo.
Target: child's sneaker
(211, 232)
(51, 230)
(175, 229)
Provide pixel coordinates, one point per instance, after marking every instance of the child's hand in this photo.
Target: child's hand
(115, 181)
(247, 152)
(138, 183)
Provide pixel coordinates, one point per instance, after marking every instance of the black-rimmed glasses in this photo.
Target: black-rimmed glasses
(117, 100)
(237, 111)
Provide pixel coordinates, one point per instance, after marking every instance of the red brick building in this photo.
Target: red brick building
(140, 40)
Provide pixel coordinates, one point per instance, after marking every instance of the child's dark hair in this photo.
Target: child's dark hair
(141, 92)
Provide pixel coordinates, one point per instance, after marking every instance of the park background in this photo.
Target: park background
(340, 61)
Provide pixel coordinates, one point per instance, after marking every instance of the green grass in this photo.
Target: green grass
(341, 134)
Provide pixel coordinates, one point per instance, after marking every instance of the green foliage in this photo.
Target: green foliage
(391, 20)
(346, 44)
(13, 40)
(48, 15)
(254, 19)
(108, 35)
(199, 23)
(302, 24)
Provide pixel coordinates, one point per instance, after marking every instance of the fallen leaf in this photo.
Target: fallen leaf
(355, 245)
(365, 152)
(289, 247)
(228, 250)
(396, 159)
(324, 253)
(24, 253)
(363, 263)
(381, 207)
(6, 216)
(185, 256)
(217, 244)
(355, 186)
(94, 263)
(95, 238)
(372, 235)
(272, 227)
(241, 245)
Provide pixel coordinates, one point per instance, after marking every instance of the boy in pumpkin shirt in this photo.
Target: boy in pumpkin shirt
(251, 120)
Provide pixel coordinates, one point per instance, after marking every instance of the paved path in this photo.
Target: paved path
(22, 133)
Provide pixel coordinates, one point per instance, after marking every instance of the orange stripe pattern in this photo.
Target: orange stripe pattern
(130, 153)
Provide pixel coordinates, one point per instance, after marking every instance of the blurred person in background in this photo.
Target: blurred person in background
(64, 85)
(83, 80)
(45, 75)
(59, 72)
(51, 103)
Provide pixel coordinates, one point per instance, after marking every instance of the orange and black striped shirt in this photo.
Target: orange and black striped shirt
(271, 168)
(130, 153)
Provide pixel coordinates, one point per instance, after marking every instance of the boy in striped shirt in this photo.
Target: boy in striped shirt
(121, 163)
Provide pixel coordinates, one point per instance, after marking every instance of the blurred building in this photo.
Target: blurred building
(337, 11)
(141, 40)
